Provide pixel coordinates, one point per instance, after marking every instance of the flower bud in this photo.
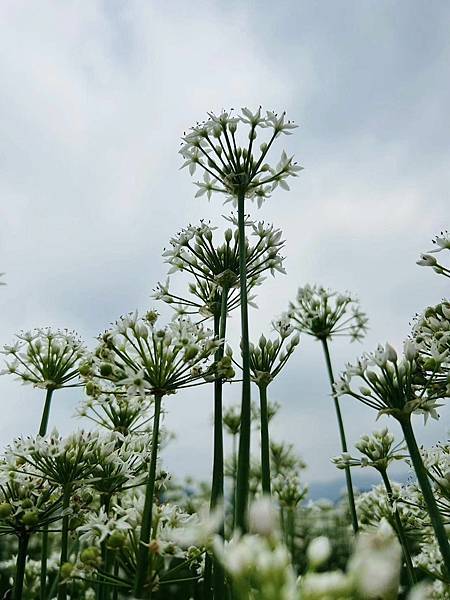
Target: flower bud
(410, 350)
(5, 510)
(30, 518)
(391, 354)
(66, 570)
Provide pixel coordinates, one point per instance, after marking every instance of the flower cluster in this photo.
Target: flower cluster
(45, 358)
(325, 314)
(60, 461)
(391, 385)
(140, 359)
(431, 332)
(268, 357)
(216, 268)
(229, 168)
(378, 450)
(27, 503)
(122, 414)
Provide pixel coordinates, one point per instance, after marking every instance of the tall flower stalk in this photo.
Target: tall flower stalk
(141, 359)
(267, 359)
(239, 173)
(325, 315)
(401, 387)
(215, 292)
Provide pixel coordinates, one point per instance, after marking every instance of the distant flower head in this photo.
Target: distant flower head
(232, 419)
(45, 358)
(378, 450)
(268, 357)
(215, 147)
(391, 385)
(216, 267)
(325, 314)
(288, 490)
(375, 505)
(139, 359)
(124, 415)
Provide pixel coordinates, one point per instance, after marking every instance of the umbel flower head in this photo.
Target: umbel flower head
(27, 503)
(378, 450)
(60, 461)
(441, 242)
(45, 358)
(114, 412)
(325, 314)
(216, 267)
(431, 333)
(139, 359)
(391, 385)
(268, 357)
(224, 148)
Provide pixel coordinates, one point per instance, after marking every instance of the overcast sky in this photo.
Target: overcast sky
(94, 98)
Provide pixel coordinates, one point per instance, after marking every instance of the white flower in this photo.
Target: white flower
(319, 551)
(263, 518)
(376, 563)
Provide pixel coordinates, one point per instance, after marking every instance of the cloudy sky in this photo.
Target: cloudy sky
(95, 96)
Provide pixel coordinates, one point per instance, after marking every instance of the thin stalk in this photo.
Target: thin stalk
(399, 526)
(20, 565)
(265, 446)
(62, 589)
(218, 469)
(243, 471)
(44, 558)
(233, 489)
(146, 526)
(116, 574)
(46, 412)
(428, 496)
(291, 530)
(348, 477)
(44, 540)
(103, 588)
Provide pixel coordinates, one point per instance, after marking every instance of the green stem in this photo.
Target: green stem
(44, 558)
(116, 574)
(103, 589)
(348, 477)
(399, 526)
(428, 496)
(291, 530)
(142, 566)
(62, 589)
(233, 483)
(46, 412)
(218, 468)
(20, 565)
(265, 446)
(44, 542)
(243, 471)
